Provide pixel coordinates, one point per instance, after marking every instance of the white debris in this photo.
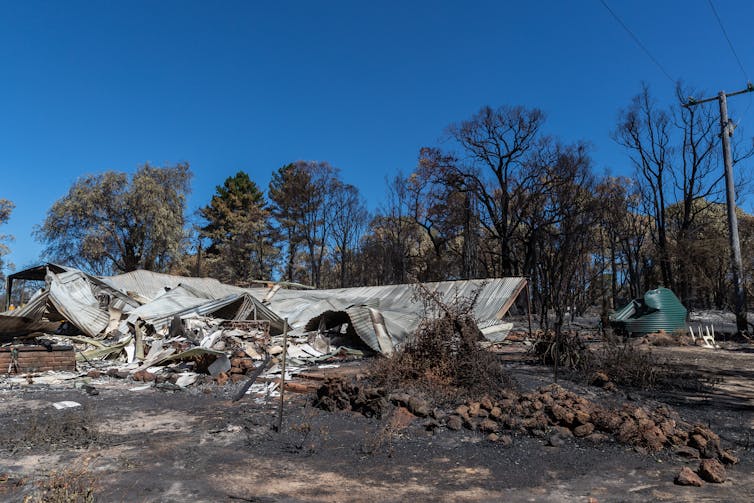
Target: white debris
(186, 379)
(66, 404)
(210, 340)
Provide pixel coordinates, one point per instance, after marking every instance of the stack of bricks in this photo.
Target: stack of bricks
(37, 359)
(257, 329)
(240, 364)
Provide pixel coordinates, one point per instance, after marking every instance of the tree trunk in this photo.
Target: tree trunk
(470, 243)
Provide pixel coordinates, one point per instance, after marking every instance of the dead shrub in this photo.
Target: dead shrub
(381, 440)
(569, 350)
(624, 362)
(443, 358)
(664, 339)
(72, 485)
(630, 366)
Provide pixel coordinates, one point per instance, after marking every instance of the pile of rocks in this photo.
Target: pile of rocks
(550, 412)
(710, 470)
(338, 394)
(559, 413)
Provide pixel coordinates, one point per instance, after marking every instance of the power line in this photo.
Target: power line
(638, 42)
(733, 50)
(730, 44)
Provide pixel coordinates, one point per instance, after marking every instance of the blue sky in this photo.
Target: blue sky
(227, 86)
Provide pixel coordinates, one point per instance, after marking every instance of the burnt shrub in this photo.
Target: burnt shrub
(623, 361)
(70, 485)
(568, 350)
(443, 358)
(630, 366)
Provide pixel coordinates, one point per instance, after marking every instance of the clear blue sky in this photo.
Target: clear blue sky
(92, 86)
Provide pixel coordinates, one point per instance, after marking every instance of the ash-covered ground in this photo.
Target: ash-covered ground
(165, 445)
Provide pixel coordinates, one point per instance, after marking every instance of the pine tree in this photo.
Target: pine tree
(242, 241)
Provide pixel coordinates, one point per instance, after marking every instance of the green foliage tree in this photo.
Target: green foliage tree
(242, 238)
(113, 222)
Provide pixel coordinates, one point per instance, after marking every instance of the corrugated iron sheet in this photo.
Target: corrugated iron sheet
(153, 284)
(35, 309)
(179, 302)
(71, 294)
(400, 305)
(492, 295)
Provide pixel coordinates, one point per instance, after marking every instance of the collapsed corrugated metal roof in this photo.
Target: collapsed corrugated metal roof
(35, 309)
(184, 302)
(382, 317)
(71, 294)
(94, 304)
(397, 308)
(151, 285)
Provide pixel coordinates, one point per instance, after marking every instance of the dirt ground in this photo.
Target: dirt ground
(154, 445)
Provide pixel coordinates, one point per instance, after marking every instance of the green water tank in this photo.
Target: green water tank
(659, 310)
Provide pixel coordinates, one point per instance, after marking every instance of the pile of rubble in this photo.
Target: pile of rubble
(550, 412)
(164, 330)
(553, 409)
(225, 354)
(151, 326)
(339, 394)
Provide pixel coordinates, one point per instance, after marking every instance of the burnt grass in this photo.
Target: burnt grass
(48, 430)
(197, 445)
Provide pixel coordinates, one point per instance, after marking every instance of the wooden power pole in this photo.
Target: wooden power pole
(726, 131)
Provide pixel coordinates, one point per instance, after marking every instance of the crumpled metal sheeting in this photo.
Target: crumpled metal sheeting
(400, 326)
(117, 299)
(495, 330)
(161, 311)
(180, 302)
(383, 317)
(494, 294)
(369, 325)
(399, 306)
(71, 294)
(35, 309)
(301, 309)
(106, 351)
(185, 296)
(153, 284)
(186, 289)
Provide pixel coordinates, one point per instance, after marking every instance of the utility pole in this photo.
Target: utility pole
(726, 131)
